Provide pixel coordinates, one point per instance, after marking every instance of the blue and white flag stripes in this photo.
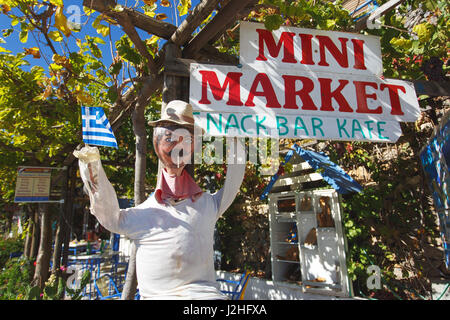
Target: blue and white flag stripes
(96, 128)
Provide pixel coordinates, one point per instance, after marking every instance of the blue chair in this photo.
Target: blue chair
(113, 290)
(119, 278)
(91, 264)
(239, 290)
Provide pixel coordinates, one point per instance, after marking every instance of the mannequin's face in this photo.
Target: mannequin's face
(173, 145)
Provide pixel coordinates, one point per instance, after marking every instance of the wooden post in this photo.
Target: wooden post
(171, 85)
(172, 89)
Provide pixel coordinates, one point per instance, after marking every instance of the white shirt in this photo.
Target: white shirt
(174, 242)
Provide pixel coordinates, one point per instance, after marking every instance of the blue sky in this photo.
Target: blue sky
(13, 44)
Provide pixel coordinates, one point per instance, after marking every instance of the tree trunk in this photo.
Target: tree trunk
(68, 211)
(67, 221)
(62, 227)
(27, 244)
(28, 238)
(138, 117)
(130, 286)
(45, 248)
(35, 235)
(140, 133)
(172, 90)
(59, 236)
(9, 216)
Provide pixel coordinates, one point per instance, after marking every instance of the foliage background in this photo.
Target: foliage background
(391, 224)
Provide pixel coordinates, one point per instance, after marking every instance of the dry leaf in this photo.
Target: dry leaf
(61, 22)
(34, 52)
(5, 8)
(149, 2)
(62, 61)
(47, 92)
(83, 97)
(161, 16)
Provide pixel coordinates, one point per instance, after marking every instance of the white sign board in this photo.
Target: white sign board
(337, 101)
(309, 50)
(37, 184)
(33, 185)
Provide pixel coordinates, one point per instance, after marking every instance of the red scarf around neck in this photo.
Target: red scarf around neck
(177, 187)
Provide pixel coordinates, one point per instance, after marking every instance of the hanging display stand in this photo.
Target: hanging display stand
(307, 241)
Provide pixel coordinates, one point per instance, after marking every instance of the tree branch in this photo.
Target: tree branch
(10, 148)
(215, 26)
(168, 31)
(192, 21)
(129, 29)
(159, 28)
(243, 13)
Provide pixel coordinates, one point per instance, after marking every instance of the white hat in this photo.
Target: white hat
(176, 112)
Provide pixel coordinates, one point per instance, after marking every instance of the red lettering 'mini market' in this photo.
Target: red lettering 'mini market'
(302, 83)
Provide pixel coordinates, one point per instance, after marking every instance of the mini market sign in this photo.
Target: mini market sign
(302, 83)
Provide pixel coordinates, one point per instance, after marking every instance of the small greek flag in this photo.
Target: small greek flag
(96, 128)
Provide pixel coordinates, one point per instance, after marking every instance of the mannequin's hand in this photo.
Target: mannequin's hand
(87, 156)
